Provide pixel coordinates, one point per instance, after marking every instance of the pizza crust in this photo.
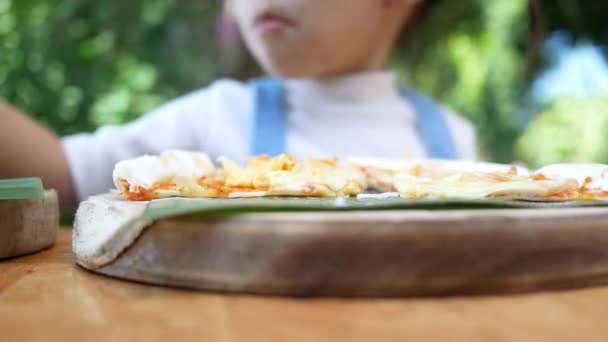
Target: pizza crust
(104, 227)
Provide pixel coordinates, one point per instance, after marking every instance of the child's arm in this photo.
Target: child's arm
(28, 149)
(81, 165)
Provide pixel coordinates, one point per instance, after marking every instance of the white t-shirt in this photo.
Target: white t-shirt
(360, 115)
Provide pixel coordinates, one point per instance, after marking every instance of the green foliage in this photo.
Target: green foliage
(469, 55)
(583, 19)
(570, 129)
(472, 56)
(75, 65)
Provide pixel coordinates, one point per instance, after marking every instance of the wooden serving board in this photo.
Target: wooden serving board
(374, 253)
(28, 225)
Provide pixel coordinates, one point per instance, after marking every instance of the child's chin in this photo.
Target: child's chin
(290, 71)
(284, 62)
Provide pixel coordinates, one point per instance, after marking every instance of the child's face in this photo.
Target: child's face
(317, 38)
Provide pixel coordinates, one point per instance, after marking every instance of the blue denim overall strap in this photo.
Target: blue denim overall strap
(431, 125)
(270, 123)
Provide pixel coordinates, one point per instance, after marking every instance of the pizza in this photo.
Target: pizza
(591, 178)
(381, 173)
(192, 174)
(474, 181)
(283, 176)
(171, 174)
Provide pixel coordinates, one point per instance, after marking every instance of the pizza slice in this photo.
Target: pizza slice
(475, 181)
(192, 174)
(283, 176)
(592, 179)
(171, 174)
(381, 173)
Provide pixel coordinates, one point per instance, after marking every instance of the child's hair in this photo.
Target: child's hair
(422, 13)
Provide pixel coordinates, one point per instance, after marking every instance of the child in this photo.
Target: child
(331, 97)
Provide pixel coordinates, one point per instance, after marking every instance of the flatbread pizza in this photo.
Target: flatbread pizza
(591, 178)
(476, 182)
(192, 174)
(381, 173)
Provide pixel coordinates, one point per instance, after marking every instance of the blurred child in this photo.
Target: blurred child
(331, 95)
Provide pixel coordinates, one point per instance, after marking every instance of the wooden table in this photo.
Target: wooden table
(46, 297)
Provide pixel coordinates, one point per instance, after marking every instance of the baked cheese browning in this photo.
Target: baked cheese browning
(254, 176)
(283, 176)
(135, 194)
(283, 162)
(169, 188)
(381, 174)
(192, 174)
(422, 182)
(378, 179)
(172, 173)
(138, 193)
(438, 171)
(262, 176)
(590, 193)
(592, 179)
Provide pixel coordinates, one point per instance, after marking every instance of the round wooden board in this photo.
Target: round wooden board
(28, 226)
(380, 253)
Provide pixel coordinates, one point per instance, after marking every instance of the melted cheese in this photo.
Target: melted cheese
(144, 171)
(591, 176)
(170, 174)
(192, 174)
(448, 165)
(381, 173)
(424, 182)
(550, 190)
(283, 176)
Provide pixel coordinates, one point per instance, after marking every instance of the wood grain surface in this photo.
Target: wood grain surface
(28, 226)
(387, 253)
(46, 297)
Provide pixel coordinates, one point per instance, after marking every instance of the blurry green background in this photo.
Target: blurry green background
(76, 65)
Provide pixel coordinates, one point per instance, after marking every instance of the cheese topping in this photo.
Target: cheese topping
(454, 187)
(144, 171)
(283, 176)
(425, 182)
(167, 174)
(592, 176)
(381, 173)
(192, 174)
(448, 165)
